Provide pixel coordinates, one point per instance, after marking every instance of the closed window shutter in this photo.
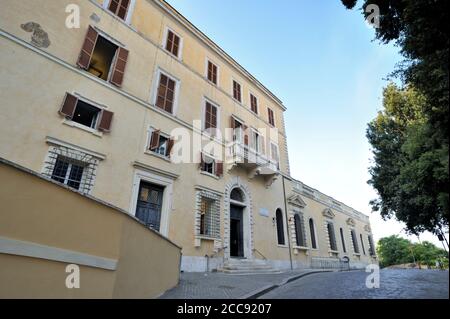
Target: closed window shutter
(262, 148)
(119, 67)
(154, 141)
(88, 47)
(208, 115)
(219, 168)
(105, 121)
(170, 144)
(245, 135)
(68, 107)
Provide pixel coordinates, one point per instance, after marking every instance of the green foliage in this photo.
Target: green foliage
(394, 250)
(410, 138)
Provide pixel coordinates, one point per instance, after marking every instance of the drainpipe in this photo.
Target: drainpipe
(287, 222)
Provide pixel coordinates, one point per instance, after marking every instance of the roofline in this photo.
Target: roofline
(206, 40)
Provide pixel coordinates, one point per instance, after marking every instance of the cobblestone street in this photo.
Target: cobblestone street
(394, 284)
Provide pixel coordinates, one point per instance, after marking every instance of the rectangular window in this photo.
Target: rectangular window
(160, 144)
(254, 103)
(354, 241)
(371, 246)
(103, 58)
(173, 43)
(210, 116)
(237, 91)
(211, 166)
(343, 240)
(362, 244)
(166, 93)
(271, 117)
(274, 151)
(207, 214)
(119, 7)
(257, 142)
(212, 72)
(86, 114)
(68, 172)
(238, 129)
(331, 236)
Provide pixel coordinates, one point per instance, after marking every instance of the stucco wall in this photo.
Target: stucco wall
(37, 211)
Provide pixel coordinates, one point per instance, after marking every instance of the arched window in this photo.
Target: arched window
(313, 233)
(299, 233)
(331, 236)
(236, 194)
(280, 227)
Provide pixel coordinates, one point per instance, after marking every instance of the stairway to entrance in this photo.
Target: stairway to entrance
(244, 265)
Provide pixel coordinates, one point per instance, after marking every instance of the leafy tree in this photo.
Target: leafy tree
(410, 137)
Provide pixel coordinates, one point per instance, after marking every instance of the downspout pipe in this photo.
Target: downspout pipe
(287, 222)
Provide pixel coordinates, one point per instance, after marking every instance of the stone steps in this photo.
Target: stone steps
(241, 266)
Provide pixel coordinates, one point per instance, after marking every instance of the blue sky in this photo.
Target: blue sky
(321, 61)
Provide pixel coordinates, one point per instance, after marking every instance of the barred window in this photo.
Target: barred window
(71, 167)
(331, 236)
(208, 215)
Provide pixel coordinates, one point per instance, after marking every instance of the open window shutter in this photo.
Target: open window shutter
(170, 144)
(105, 121)
(119, 67)
(154, 141)
(88, 47)
(232, 123)
(68, 107)
(202, 162)
(219, 168)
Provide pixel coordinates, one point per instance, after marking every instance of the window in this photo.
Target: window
(208, 214)
(238, 130)
(86, 114)
(212, 72)
(173, 43)
(343, 240)
(371, 246)
(312, 231)
(271, 118)
(210, 116)
(165, 97)
(280, 227)
(119, 7)
(354, 241)
(299, 230)
(160, 144)
(362, 244)
(67, 171)
(236, 194)
(237, 95)
(331, 236)
(102, 58)
(253, 103)
(211, 166)
(274, 151)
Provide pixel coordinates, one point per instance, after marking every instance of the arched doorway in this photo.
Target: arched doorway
(237, 223)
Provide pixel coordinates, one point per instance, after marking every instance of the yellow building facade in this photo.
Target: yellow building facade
(135, 106)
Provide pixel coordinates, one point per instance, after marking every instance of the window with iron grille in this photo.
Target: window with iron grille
(208, 214)
(212, 72)
(354, 241)
(70, 167)
(237, 91)
(173, 43)
(166, 93)
(331, 236)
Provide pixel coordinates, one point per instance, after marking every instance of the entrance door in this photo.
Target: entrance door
(236, 232)
(149, 204)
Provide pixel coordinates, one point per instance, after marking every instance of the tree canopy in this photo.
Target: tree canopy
(409, 137)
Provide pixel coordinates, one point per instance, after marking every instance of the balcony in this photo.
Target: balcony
(256, 164)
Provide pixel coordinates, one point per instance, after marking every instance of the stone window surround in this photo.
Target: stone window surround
(200, 193)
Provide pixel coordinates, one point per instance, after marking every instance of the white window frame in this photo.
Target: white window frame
(278, 151)
(154, 94)
(147, 150)
(130, 11)
(217, 106)
(232, 91)
(164, 42)
(208, 59)
(149, 177)
(241, 130)
(213, 166)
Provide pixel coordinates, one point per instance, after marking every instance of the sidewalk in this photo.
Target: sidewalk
(217, 285)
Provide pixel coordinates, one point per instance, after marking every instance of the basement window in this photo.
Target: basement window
(68, 172)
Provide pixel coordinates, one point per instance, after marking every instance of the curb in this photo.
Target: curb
(262, 291)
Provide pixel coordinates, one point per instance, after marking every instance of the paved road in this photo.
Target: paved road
(394, 284)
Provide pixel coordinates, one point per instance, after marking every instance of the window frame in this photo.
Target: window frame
(270, 110)
(154, 94)
(250, 94)
(280, 231)
(241, 101)
(70, 164)
(207, 61)
(147, 150)
(218, 117)
(164, 43)
(213, 167)
(129, 14)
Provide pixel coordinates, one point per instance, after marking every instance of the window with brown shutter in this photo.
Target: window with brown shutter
(219, 168)
(105, 121)
(119, 7)
(271, 117)
(253, 103)
(166, 93)
(68, 107)
(154, 140)
(172, 43)
(212, 72)
(84, 59)
(119, 67)
(210, 116)
(237, 91)
(160, 144)
(170, 145)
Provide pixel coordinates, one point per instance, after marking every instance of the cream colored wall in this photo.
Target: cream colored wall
(42, 212)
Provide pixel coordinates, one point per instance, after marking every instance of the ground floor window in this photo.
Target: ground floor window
(208, 214)
(68, 171)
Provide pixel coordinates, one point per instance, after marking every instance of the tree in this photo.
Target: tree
(394, 250)
(411, 149)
